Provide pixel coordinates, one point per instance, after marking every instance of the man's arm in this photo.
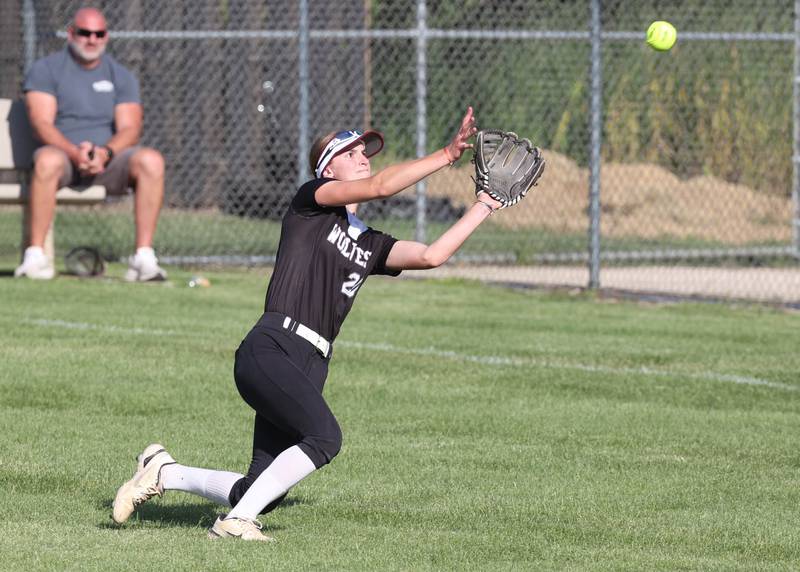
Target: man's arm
(128, 126)
(42, 108)
(128, 129)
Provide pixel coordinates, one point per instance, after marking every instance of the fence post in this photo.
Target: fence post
(422, 40)
(302, 115)
(796, 133)
(596, 129)
(29, 33)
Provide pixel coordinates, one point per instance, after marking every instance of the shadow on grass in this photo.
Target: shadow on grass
(189, 515)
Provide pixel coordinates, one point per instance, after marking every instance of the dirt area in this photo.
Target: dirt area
(774, 285)
(638, 200)
(643, 201)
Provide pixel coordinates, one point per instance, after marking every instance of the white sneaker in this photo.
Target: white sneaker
(36, 265)
(145, 483)
(144, 268)
(243, 528)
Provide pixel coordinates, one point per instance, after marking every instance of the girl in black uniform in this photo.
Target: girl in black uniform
(324, 256)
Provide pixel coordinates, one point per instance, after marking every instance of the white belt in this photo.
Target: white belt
(323, 345)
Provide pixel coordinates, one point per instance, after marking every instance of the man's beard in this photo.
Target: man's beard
(87, 56)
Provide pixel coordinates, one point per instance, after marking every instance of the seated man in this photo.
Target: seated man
(84, 108)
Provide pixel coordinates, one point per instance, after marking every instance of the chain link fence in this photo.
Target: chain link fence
(664, 166)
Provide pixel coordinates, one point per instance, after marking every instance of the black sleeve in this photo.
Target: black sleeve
(305, 202)
(383, 245)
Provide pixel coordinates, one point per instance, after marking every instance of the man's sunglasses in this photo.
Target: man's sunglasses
(99, 34)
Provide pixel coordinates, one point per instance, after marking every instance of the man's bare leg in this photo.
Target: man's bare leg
(47, 171)
(147, 172)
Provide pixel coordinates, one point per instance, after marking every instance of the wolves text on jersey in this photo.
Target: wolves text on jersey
(347, 246)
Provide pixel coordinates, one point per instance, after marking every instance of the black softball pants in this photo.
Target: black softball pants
(281, 376)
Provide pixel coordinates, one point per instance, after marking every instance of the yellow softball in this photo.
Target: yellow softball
(661, 35)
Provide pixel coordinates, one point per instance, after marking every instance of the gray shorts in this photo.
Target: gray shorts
(115, 178)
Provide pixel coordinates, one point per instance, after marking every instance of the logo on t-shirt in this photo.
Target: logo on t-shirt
(103, 86)
(347, 247)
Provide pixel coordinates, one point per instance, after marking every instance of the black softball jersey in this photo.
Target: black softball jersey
(324, 256)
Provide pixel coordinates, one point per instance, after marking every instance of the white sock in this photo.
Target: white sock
(288, 469)
(34, 252)
(146, 252)
(212, 485)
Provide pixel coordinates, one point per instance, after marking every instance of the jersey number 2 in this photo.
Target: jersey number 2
(350, 287)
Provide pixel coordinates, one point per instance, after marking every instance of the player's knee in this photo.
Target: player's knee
(321, 449)
(49, 163)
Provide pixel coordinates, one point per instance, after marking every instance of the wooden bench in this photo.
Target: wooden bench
(16, 154)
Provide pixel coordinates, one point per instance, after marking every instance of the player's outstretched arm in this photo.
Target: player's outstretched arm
(409, 255)
(400, 176)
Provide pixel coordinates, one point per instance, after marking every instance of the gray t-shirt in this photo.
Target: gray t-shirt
(86, 98)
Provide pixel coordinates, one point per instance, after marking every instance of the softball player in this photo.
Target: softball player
(324, 256)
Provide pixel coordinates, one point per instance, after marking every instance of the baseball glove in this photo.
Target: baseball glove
(84, 261)
(506, 166)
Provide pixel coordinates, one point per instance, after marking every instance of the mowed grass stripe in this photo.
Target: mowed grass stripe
(487, 360)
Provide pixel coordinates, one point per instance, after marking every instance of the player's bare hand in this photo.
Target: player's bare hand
(460, 141)
(484, 197)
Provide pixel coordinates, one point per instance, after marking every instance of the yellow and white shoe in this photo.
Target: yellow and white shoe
(145, 483)
(243, 528)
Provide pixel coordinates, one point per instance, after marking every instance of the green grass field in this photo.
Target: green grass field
(485, 429)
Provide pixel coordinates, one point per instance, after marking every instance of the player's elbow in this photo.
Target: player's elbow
(432, 260)
(381, 186)
(381, 191)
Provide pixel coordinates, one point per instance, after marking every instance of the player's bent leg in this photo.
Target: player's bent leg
(279, 391)
(288, 469)
(145, 483)
(289, 397)
(268, 442)
(322, 449)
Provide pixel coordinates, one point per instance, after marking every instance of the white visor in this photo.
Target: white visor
(373, 143)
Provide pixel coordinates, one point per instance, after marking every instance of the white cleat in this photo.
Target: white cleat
(243, 528)
(145, 483)
(35, 265)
